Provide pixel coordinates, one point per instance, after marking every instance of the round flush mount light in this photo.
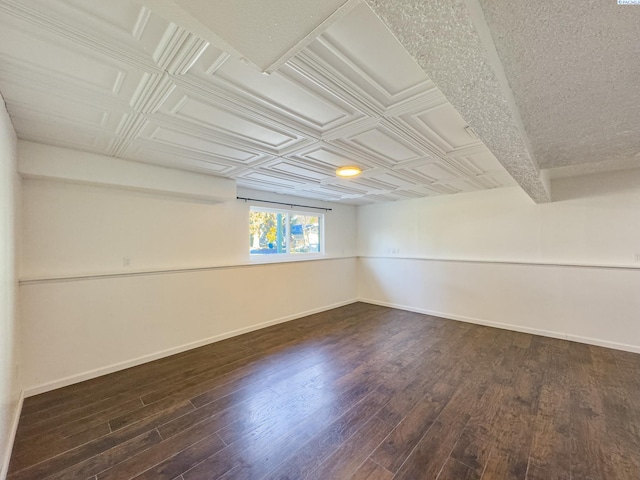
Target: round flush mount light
(348, 172)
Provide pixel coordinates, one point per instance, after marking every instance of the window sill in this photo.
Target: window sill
(285, 257)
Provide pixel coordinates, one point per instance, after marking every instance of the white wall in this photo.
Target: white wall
(565, 269)
(72, 229)
(85, 313)
(78, 329)
(10, 385)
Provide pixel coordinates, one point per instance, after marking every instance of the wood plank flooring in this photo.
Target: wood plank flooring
(359, 392)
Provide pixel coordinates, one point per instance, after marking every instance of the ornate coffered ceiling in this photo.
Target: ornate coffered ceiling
(115, 78)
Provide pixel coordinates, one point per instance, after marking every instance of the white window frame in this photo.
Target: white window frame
(288, 256)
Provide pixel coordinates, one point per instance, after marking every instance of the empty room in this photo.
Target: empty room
(337, 239)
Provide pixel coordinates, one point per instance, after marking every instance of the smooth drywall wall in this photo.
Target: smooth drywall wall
(72, 230)
(112, 277)
(10, 385)
(81, 328)
(567, 269)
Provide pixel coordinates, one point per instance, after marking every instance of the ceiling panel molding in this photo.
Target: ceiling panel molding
(80, 115)
(374, 183)
(150, 152)
(94, 76)
(208, 134)
(264, 34)
(430, 98)
(313, 66)
(438, 125)
(186, 139)
(44, 21)
(476, 164)
(318, 195)
(228, 99)
(120, 80)
(460, 57)
(34, 78)
(429, 148)
(329, 156)
(230, 123)
(129, 130)
(382, 143)
(51, 133)
(218, 63)
(152, 92)
(333, 59)
(178, 50)
(266, 178)
(308, 171)
(121, 19)
(287, 96)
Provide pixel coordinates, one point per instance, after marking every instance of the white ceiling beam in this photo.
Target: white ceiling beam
(451, 41)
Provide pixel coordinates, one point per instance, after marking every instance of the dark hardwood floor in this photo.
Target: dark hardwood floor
(360, 392)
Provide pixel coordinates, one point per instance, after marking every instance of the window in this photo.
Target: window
(273, 232)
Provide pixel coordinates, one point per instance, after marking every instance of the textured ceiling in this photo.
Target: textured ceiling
(574, 69)
(117, 79)
(549, 85)
(450, 40)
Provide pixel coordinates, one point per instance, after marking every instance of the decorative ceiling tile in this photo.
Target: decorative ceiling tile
(224, 121)
(366, 43)
(285, 94)
(60, 59)
(394, 180)
(84, 31)
(270, 178)
(117, 79)
(129, 18)
(409, 193)
(381, 144)
(149, 152)
(310, 173)
(329, 156)
(198, 144)
(479, 162)
(442, 125)
(369, 184)
(461, 185)
(178, 50)
(435, 171)
(59, 134)
(44, 107)
(354, 56)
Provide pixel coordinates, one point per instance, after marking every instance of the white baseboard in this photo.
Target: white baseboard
(182, 348)
(70, 380)
(6, 455)
(507, 326)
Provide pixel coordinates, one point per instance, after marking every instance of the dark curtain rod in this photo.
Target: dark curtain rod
(283, 203)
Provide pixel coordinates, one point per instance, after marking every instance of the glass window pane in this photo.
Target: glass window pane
(267, 232)
(305, 234)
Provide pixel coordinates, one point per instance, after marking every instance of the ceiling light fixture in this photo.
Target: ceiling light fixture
(348, 172)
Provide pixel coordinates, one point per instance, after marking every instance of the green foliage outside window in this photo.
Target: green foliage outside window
(283, 232)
